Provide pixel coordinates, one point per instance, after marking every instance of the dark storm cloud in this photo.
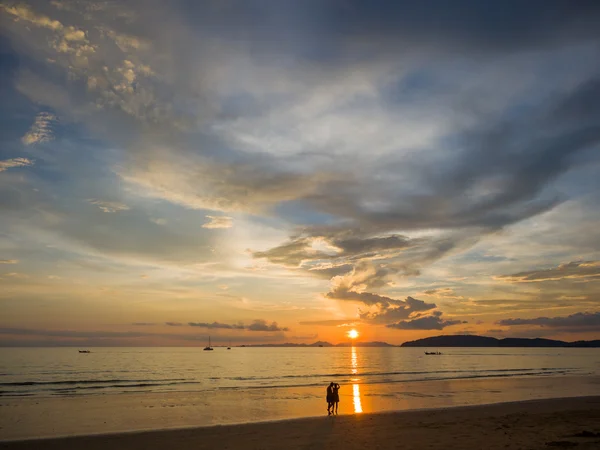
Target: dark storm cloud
(575, 322)
(579, 270)
(433, 322)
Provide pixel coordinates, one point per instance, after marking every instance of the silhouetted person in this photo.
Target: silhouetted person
(330, 398)
(336, 396)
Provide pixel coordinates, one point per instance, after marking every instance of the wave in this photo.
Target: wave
(83, 387)
(350, 381)
(373, 374)
(49, 383)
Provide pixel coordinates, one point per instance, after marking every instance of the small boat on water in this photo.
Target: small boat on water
(229, 346)
(84, 351)
(209, 347)
(433, 353)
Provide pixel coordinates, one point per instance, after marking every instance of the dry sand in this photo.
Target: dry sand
(537, 424)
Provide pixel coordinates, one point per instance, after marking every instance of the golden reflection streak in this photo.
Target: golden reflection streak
(356, 398)
(355, 387)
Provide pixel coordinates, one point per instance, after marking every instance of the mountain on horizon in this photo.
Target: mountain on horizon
(467, 340)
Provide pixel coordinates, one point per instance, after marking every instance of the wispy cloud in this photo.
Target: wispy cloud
(218, 222)
(41, 130)
(580, 270)
(15, 162)
(574, 322)
(9, 261)
(256, 325)
(109, 207)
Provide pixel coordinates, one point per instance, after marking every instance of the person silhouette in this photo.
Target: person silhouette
(330, 398)
(336, 396)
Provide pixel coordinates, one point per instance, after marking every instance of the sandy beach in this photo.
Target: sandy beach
(537, 424)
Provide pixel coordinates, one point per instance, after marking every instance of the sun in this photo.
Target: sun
(352, 334)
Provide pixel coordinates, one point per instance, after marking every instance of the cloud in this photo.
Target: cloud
(41, 130)
(15, 162)
(262, 325)
(575, 322)
(432, 322)
(143, 324)
(218, 222)
(256, 325)
(351, 288)
(359, 138)
(445, 293)
(217, 325)
(9, 261)
(23, 12)
(578, 270)
(72, 333)
(174, 324)
(16, 275)
(109, 207)
(66, 39)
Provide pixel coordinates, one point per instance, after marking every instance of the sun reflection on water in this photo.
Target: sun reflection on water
(355, 387)
(356, 398)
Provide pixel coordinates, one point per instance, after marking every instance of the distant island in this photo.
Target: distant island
(483, 341)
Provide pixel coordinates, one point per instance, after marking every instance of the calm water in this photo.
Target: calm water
(65, 372)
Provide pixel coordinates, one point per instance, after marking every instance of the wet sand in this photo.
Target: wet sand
(537, 424)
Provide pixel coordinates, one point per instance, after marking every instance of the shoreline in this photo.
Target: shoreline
(519, 424)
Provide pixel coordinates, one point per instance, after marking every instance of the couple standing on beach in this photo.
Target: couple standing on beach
(333, 398)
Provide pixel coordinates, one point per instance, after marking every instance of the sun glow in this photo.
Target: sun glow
(352, 334)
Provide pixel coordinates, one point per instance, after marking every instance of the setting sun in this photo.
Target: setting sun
(352, 334)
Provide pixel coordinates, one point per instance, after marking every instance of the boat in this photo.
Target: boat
(229, 346)
(433, 353)
(209, 347)
(84, 351)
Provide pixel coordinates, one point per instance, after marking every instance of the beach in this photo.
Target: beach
(536, 424)
(70, 415)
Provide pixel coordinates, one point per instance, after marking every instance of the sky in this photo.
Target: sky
(271, 171)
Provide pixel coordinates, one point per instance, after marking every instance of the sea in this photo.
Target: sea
(53, 372)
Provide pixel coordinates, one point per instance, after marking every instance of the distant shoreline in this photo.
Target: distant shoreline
(455, 341)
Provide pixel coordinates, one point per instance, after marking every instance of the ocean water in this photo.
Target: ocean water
(44, 372)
